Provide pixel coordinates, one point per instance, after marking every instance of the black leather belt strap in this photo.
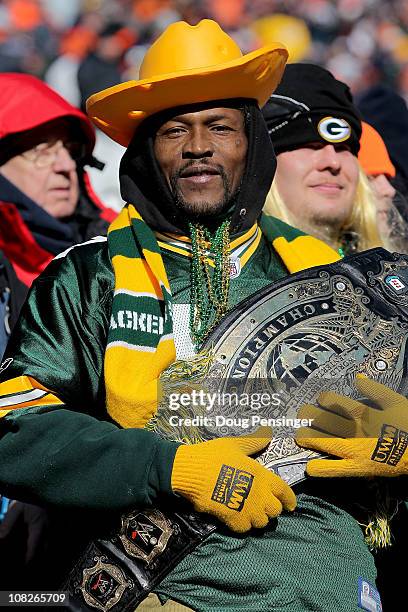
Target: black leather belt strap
(118, 572)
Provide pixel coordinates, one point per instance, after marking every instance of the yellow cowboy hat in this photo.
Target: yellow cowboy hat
(187, 64)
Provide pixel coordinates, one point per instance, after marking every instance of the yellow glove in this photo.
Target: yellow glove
(218, 477)
(370, 441)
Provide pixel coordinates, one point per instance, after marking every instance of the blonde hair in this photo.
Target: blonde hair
(362, 221)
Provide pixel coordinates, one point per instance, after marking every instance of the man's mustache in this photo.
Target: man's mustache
(192, 167)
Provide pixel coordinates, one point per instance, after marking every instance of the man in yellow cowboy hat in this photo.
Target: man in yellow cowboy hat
(106, 318)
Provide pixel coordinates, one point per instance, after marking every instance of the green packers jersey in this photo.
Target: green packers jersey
(76, 458)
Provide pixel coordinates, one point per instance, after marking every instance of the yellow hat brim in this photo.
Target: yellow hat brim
(119, 110)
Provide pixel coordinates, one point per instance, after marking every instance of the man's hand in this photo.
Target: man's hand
(370, 441)
(218, 477)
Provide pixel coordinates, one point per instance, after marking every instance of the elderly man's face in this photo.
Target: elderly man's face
(202, 156)
(46, 171)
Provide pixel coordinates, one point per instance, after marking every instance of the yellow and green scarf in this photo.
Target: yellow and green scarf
(140, 338)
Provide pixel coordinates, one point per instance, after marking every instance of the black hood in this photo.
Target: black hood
(144, 185)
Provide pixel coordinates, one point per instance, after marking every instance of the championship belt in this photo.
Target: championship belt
(312, 331)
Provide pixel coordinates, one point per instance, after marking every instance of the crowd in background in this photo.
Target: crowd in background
(83, 46)
(360, 41)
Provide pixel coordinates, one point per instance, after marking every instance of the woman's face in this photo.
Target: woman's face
(318, 184)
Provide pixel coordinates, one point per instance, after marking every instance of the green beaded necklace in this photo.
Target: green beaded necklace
(209, 294)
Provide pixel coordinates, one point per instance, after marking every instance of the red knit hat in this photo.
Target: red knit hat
(373, 155)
